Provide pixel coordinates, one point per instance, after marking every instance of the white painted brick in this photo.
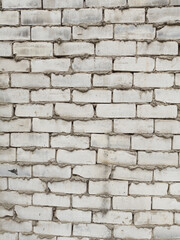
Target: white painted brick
(116, 157)
(92, 96)
(163, 15)
(21, 4)
(78, 80)
(12, 226)
(90, 171)
(153, 80)
(176, 142)
(33, 49)
(145, 3)
(172, 232)
(9, 18)
(34, 237)
(4, 140)
(8, 155)
(37, 155)
(168, 65)
(4, 80)
(71, 238)
(50, 65)
(15, 198)
(134, 32)
(74, 111)
(82, 16)
(125, 16)
(50, 199)
(132, 203)
(151, 143)
(62, 4)
(76, 157)
(73, 48)
(133, 126)
(13, 33)
(94, 126)
(167, 126)
(33, 213)
(51, 171)
(168, 95)
(177, 218)
(132, 96)
(29, 80)
(6, 111)
(40, 17)
(115, 110)
(168, 33)
(158, 159)
(14, 96)
(157, 48)
(15, 125)
(97, 64)
(112, 187)
(113, 217)
(5, 236)
(50, 95)
(53, 228)
(165, 203)
(115, 48)
(9, 65)
(91, 230)
(132, 232)
(148, 189)
(136, 174)
(115, 80)
(5, 49)
(174, 189)
(69, 141)
(30, 139)
(73, 216)
(31, 185)
(70, 187)
(52, 125)
(5, 212)
(159, 111)
(106, 141)
(101, 32)
(3, 184)
(177, 79)
(128, 232)
(105, 3)
(34, 110)
(144, 64)
(90, 202)
(50, 33)
(8, 170)
(167, 174)
(174, 2)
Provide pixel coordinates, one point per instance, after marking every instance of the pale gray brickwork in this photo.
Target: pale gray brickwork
(89, 119)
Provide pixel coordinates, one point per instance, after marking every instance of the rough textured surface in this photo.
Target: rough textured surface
(89, 119)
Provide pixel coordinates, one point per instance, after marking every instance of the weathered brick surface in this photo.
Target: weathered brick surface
(89, 119)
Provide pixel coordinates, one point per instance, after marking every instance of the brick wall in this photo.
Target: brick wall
(90, 121)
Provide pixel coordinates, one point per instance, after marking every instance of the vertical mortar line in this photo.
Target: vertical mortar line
(103, 14)
(113, 25)
(84, 3)
(62, 13)
(19, 18)
(92, 77)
